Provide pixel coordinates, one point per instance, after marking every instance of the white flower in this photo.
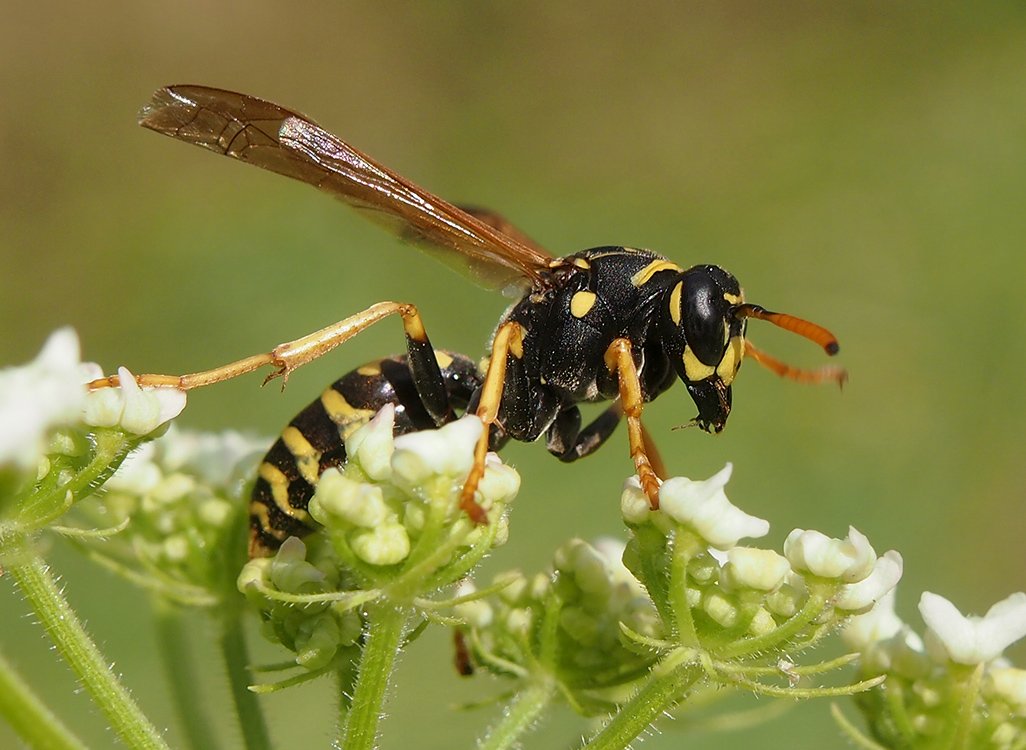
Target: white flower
(386, 544)
(372, 445)
(354, 502)
(878, 624)
(972, 640)
(885, 576)
(1010, 684)
(848, 560)
(38, 397)
(704, 507)
(134, 409)
(214, 456)
(448, 450)
(759, 569)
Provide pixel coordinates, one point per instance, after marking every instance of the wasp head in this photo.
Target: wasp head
(704, 339)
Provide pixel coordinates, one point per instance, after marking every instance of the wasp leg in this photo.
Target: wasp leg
(292, 354)
(826, 374)
(619, 360)
(508, 339)
(568, 442)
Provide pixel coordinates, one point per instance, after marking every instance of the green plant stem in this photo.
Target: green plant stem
(73, 643)
(247, 705)
(182, 679)
(385, 624)
(29, 717)
(519, 716)
(662, 691)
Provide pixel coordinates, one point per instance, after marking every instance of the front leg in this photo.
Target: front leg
(619, 361)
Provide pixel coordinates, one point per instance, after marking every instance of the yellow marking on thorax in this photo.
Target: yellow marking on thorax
(694, 368)
(734, 299)
(308, 458)
(645, 275)
(340, 411)
(581, 303)
(675, 303)
(370, 369)
(582, 263)
(731, 362)
(280, 491)
(443, 359)
(516, 341)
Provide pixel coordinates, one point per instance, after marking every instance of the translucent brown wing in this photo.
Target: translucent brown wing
(280, 140)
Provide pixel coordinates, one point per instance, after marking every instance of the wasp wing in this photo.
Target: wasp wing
(280, 140)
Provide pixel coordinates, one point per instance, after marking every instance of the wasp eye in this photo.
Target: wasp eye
(704, 315)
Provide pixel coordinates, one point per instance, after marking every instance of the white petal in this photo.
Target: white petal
(448, 450)
(848, 560)
(373, 444)
(38, 397)
(972, 640)
(704, 507)
(759, 569)
(885, 576)
(878, 624)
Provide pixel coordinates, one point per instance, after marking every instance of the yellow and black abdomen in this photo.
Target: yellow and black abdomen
(315, 439)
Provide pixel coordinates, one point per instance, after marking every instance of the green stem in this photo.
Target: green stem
(110, 449)
(790, 628)
(236, 662)
(29, 717)
(968, 679)
(385, 625)
(182, 679)
(519, 716)
(685, 546)
(73, 643)
(662, 691)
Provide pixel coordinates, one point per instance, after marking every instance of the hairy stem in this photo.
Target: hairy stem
(236, 662)
(519, 716)
(66, 631)
(385, 624)
(664, 688)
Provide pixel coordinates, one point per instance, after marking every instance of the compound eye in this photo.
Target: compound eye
(704, 318)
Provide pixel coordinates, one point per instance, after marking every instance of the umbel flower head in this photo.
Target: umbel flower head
(682, 603)
(393, 533)
(953, 683)
(58, 440)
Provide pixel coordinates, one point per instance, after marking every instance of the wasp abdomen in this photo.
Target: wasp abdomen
(315, 439)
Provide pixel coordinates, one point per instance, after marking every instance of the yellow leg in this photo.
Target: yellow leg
(509, 338)
(619, 360)
(288, 356)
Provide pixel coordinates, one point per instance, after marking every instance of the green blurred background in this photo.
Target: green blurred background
(860, 164)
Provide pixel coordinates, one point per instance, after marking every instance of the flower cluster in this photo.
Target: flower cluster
(682, 606)
(393, 533)
(567, 625)
(182, 500)
(58, 439)
(953, 683)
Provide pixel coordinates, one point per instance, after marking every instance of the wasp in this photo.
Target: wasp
(614, 324)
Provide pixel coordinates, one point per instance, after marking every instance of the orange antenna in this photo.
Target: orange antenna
(807, 329)
(826, 374)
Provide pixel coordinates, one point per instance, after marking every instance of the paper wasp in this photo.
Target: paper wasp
(606, 324)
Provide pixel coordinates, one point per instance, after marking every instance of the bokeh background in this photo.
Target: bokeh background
(862, 164)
